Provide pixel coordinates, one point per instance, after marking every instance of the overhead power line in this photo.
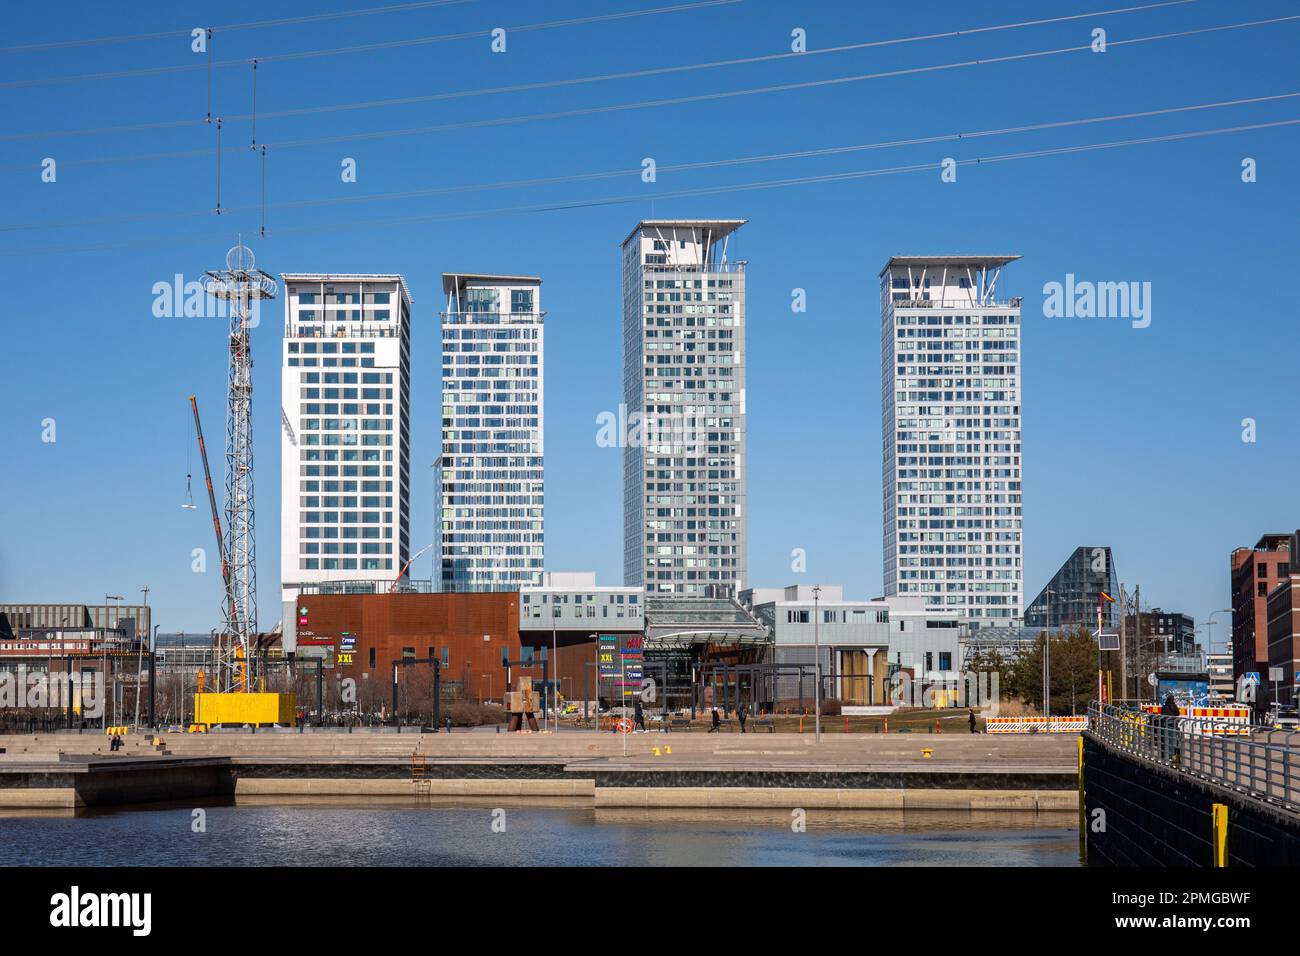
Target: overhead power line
(669, 101)
(365, 47)
(230, 27)
(671, 194)
(595, 176)
(582, 80)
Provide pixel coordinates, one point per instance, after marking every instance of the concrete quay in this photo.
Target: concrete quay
(882, 772)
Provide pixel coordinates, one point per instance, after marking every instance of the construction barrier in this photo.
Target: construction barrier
(1035, 725)
(117, 731)
(1222, 720)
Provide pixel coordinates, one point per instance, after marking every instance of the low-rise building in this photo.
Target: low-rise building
(863, 643)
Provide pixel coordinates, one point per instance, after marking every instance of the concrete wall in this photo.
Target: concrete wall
(1155, 816)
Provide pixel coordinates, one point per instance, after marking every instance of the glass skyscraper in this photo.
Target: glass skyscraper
(1071, 597)
(684, 521)
(950, 404)
(490, 475)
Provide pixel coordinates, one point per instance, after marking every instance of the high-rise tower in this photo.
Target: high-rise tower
(950, 404)
(490, 475)
(684, 519)
(346, 430)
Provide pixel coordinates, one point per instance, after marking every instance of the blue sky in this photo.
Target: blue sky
(1132, 437)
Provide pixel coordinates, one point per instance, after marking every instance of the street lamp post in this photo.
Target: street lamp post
(1209, 629)
(108, 599)
(817, 664)
(1047, 663)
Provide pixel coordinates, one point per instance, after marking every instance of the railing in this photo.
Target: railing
(1265, 766)
(720, 268)
(348, 330)
(971, 303)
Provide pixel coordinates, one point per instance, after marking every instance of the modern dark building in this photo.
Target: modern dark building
(1166, 634)
(1070, 598)
(1255, 573)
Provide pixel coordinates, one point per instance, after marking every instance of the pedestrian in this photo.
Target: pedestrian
(638, 715)
(972, 720)
(740, 716)
(717, 722)
(1169, 732)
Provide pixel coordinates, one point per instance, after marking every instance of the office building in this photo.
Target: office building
(345, 456)
(1255, 573)
(1281, 682)
(684, 498)
(490, 472)
(951, 430)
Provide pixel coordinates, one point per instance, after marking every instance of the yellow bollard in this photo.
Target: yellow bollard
(1219, 833)
(667, 749)
(1083, 810)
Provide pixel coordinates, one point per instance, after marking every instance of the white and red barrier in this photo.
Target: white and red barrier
(1035, 725)
(1222, 720)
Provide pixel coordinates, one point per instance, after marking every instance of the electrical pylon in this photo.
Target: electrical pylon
(241, 284)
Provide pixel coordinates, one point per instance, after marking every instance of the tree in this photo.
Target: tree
(1073, 672)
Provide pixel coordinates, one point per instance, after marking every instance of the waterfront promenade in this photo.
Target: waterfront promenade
(947, 771)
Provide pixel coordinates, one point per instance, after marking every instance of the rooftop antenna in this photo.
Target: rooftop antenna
(241, 283)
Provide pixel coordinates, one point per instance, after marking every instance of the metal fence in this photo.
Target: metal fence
(1263, 765)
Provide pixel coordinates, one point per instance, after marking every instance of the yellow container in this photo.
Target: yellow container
(240, 709)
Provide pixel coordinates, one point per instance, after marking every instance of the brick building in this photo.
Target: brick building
(1283, 624)
(1255, 573)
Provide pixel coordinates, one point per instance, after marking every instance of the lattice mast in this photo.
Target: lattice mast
(241, 283)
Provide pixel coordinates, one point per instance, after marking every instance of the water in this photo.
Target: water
(403, 832)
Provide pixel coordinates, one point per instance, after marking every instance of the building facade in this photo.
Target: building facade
(361, 635)
(345, 458)
(1073, 595)
(951, 431)
(683, 421)
(1283, 616)
(1255, 573)
(863, 643)
(490, 473)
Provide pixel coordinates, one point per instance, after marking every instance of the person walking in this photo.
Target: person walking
(741, 714)
(1169, 730)
(972, 720)
(716, 722)
(638, 716)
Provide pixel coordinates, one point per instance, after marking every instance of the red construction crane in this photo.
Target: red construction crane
(212, 500)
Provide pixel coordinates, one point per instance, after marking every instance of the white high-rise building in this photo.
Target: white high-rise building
(950, 403)
(684, 515)
(346, 430)
(490, 473)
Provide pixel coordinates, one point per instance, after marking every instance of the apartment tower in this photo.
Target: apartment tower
(950, 406)
(490, 474)
(684, 520)
(346, 430)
